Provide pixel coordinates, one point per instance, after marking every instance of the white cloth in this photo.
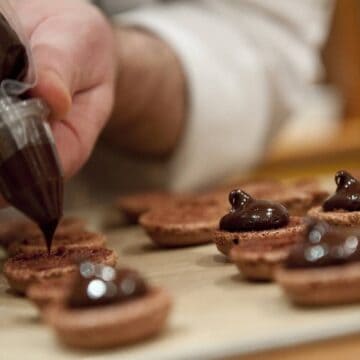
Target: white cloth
(247, 63)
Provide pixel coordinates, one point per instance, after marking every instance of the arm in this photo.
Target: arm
(150, 107)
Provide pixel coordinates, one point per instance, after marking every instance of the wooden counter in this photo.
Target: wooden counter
(216, 314)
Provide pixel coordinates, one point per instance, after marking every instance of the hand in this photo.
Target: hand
(73, 49)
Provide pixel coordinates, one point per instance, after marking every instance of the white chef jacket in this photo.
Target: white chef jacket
(247, 63)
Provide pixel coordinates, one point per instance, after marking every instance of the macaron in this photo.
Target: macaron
(342, 207)
(321, 287)
(107, 308)
(13, 230)
(25, 269)
(323, 269)
(31, 244)
(183, 225)
(252, 221)
(134, 205)
(50, 291)
(259, 262)
(289, 234)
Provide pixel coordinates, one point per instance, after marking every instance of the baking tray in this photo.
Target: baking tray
(216, 314)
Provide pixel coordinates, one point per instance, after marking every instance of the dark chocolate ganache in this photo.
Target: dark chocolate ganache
(347, 195)
(325, 245)
(248, 214)
(103, 285)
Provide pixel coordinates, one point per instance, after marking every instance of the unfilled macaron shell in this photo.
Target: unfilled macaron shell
(25, 269)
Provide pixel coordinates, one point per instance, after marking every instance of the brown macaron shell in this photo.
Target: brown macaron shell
(133, 206)
(258, 188)
(297, 202)
(25, 269)
(14, 230)
(289, 234)
(312, 187)
(111, 325)
(72, 240)
(51, 291)
(340, 217)
(259, 263)
(184, 225)
(332, 285)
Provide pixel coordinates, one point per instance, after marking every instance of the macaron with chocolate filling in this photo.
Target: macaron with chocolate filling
(324, 269)
(183, 225)
(25, 269)
(343, 207)
(36, 243)
(108, 307)
(258, 263)
(17, 229)
(252, 221)
(298, 197)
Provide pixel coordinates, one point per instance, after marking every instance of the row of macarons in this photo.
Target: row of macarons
(77, 288)
(300, 235)
(311, 254)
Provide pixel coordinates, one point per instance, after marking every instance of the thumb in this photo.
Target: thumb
(54, 80)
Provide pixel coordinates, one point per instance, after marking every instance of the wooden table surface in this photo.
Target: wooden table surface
(216, 313)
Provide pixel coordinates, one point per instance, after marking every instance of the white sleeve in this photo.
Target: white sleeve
(247, 63)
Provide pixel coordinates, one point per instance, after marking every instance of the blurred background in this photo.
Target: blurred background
(325, 132)
(321, 136)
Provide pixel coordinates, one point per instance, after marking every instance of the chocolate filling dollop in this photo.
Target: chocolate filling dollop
(103, 285)
(347, 195)
(325, 245)
(248, 214)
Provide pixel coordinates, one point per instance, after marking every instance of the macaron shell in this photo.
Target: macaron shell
(111, 325)
(340, 217)
(331, 285)
(289, 234)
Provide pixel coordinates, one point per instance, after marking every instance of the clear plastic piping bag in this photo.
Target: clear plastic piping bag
(31, 177)
(22, 122)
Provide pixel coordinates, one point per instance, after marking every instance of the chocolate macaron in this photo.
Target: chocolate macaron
(313, 188)
(343, 207)
(188, 224)
(13, 230)
(50, 291)
(297, 196)
(324, 269)
(25, 269)
(108, 308)
(72, 240)
(253, 221)
(259, 262)
(133, 206)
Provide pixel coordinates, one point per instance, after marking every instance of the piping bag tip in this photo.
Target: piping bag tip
(48, 230)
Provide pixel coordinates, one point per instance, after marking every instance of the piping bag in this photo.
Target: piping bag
(31, 177)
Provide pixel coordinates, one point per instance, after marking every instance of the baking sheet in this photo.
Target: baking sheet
(215, 314)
